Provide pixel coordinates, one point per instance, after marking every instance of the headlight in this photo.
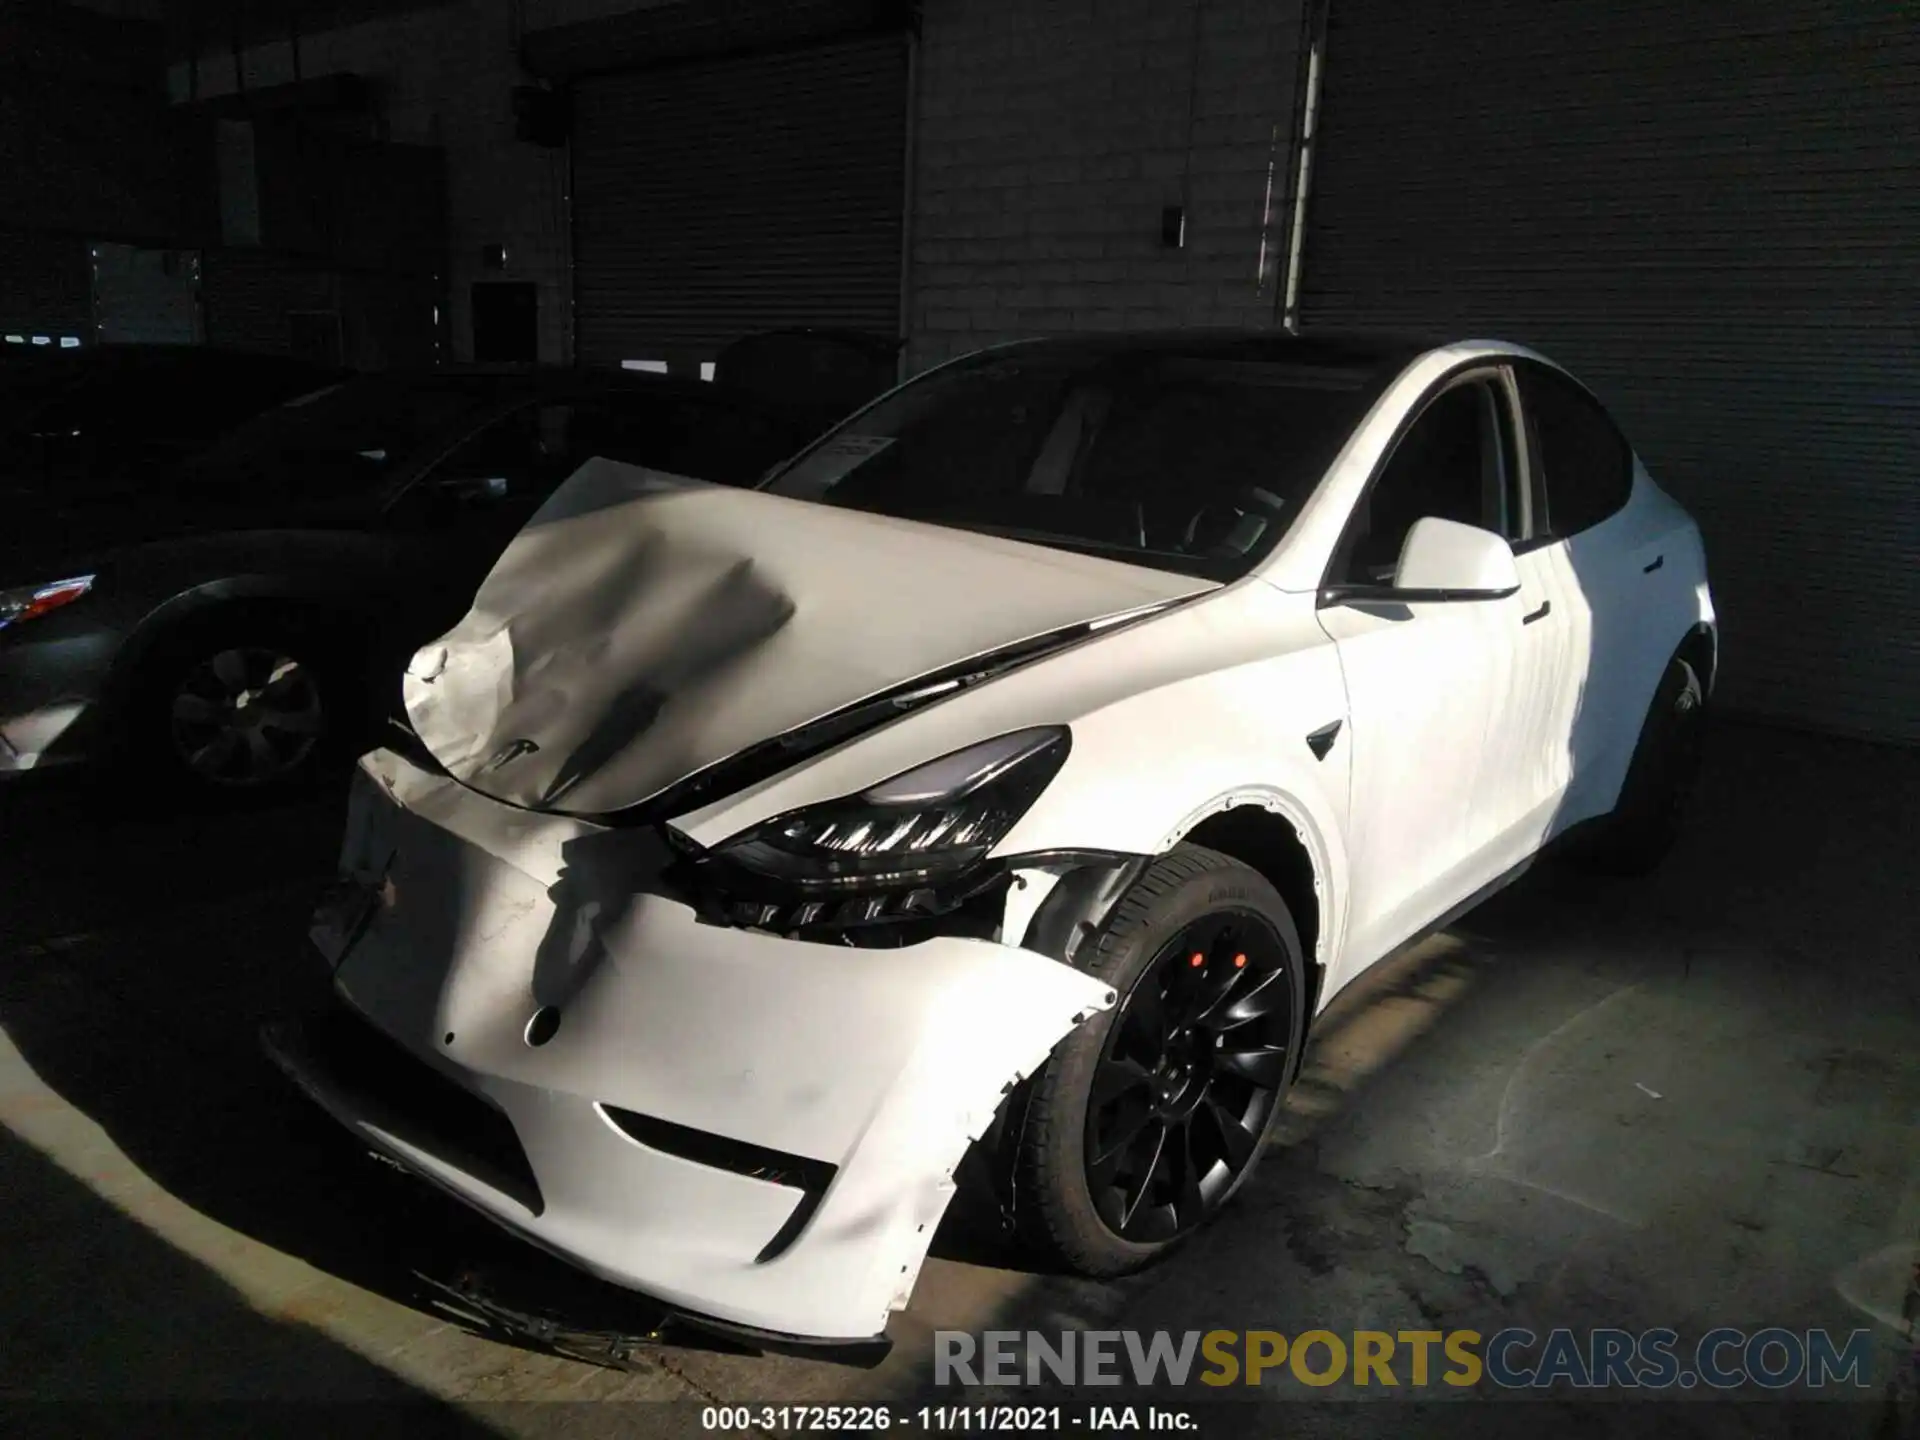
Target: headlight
(26, 601)
(923, 828)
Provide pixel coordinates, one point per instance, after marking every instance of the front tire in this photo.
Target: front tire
(243, 709)
(1144, 1122)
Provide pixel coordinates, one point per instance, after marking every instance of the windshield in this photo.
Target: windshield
(1196, 464)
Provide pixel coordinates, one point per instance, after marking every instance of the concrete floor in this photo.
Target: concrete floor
(1688, 1101)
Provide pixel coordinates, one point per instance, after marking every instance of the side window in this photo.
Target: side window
(1587, 465)
(512, 463)
(1454, 463)
(520, 454)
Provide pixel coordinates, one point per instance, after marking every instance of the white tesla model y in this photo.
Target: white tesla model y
(1023, 765)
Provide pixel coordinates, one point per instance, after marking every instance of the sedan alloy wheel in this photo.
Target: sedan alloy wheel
(247, 716)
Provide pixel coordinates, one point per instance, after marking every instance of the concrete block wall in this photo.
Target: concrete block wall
(445, 76)
(1050, 134)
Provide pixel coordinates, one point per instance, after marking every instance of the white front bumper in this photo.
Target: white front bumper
(884, 1064)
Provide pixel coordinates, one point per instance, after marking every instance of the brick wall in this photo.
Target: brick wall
(1050, 136)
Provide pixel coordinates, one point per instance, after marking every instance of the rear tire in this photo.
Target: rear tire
(1146, 1120)
(1647, 819)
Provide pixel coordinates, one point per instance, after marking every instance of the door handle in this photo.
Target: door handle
(1657, 562)
(1546, 609)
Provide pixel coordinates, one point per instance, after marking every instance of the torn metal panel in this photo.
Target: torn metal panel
(884, 1065)
(641, 629)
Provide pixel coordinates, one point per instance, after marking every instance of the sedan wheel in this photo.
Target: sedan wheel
(246, 717)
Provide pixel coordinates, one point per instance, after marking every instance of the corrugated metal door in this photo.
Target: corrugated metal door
(1712, 214)
(247, 295)
(718, 198)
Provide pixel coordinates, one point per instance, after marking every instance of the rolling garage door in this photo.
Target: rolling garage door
(1711, 213)
(716, 198)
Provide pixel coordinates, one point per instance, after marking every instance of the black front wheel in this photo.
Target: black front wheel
(1144, 1122)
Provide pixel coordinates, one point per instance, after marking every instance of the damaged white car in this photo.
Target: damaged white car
(1030, 759)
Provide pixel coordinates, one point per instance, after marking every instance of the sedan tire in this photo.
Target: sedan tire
(1146, 1120)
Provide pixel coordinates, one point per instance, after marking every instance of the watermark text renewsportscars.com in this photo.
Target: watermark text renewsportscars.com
(1772, 1358)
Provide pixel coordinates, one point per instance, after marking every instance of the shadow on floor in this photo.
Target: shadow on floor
(87, 853)
(76, 1353)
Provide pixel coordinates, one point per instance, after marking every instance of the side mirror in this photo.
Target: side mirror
(1445, 560)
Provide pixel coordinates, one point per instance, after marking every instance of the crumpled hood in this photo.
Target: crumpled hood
(643, 627)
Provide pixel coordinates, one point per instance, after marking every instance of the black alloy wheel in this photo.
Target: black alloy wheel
(1192, 1069)
(1147, 1118)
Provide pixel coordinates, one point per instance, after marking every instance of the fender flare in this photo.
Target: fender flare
(152, 631)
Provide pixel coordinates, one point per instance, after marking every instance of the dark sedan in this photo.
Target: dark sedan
(233, 622)
(105, 415)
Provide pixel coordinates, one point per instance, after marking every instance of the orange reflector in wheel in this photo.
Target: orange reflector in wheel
(1239, 962)
(1198, 960)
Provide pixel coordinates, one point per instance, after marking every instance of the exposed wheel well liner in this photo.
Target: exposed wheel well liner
(193, 614)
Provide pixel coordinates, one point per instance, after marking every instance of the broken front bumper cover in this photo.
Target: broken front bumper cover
(752, 1130)
(309, 1052)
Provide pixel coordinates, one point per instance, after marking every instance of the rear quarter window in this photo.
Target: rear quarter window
(1588, 464)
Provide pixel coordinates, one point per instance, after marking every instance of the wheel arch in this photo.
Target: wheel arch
(233, 598)
(1265, 829)
(1700, 648)
(1266, 840)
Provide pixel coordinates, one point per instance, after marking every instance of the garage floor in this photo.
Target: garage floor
(1690, 1101)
